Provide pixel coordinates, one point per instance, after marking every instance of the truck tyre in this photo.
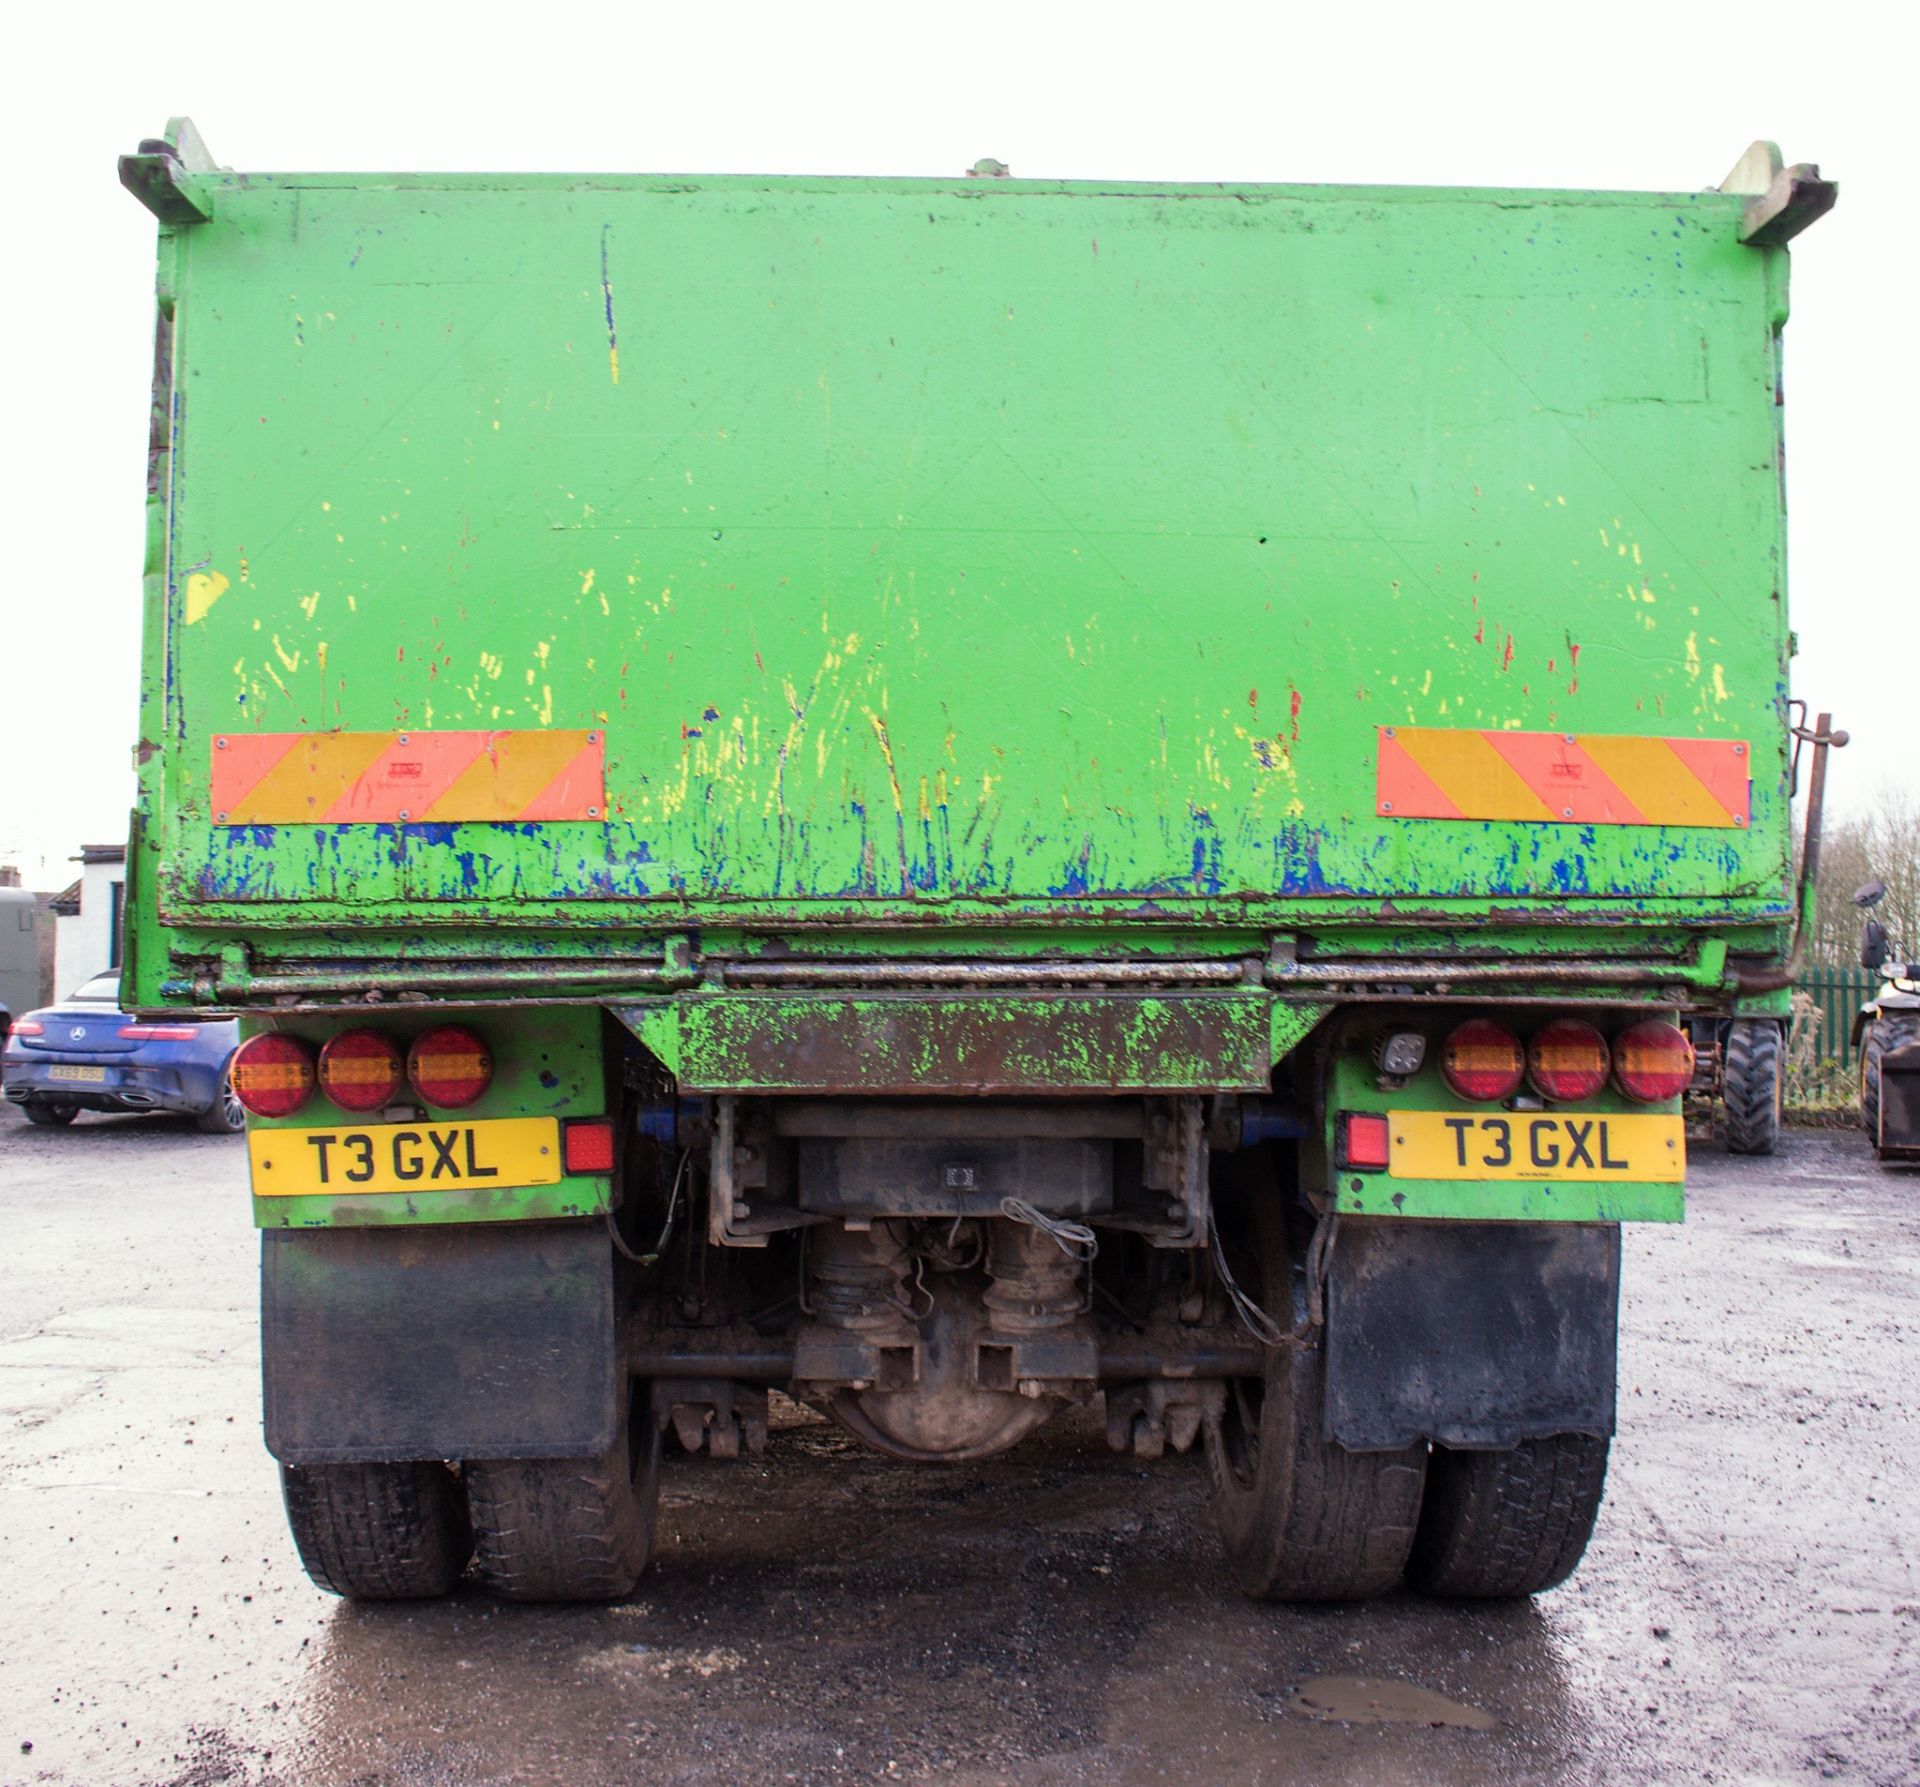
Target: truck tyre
(54, 1116)
(1884, 1035)
(570, 1529)
(1753, 1088)
(1302, 1519)
(378, 1532)
(1499, 1525)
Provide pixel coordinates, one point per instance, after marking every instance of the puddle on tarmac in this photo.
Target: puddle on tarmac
(1367, 1700)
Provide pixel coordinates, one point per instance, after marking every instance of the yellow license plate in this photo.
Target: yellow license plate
(291, 1163)
(86, 1076)
(1584, 1146)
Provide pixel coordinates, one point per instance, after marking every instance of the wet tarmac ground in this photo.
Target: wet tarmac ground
(1749, 1610)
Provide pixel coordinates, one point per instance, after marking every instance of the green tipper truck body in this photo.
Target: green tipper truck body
(863, 645)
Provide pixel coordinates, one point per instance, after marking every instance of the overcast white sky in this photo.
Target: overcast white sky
(1624, 96)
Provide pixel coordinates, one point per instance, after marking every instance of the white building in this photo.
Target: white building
(88, 914)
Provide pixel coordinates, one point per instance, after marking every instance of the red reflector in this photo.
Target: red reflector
(449, 1066)
(360, 1070)
(159, 1032)
(587, 1146)
(29, 1027)
(273, 1075)
(1653, 1061)
(1364, 1141)
(1482, 1061)
(1568, 1060)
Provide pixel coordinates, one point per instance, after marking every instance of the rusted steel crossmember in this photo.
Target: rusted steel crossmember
(738, 1352)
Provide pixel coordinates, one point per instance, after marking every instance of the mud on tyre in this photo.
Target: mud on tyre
(570, 1529)
(1499, 1525)
(1302, 1519)
(378, 1532)
(1753, 1086)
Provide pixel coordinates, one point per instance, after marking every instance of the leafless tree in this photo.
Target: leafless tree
(1880, 844)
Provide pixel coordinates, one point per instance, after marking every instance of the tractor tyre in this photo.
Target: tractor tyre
(1884, 1035)
(1753, 1086)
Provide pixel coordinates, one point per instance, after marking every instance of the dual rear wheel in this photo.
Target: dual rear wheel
(1304, 1519)
(536, 1529)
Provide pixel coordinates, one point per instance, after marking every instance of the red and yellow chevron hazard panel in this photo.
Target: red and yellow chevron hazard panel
(1562, 778)
(400, 778)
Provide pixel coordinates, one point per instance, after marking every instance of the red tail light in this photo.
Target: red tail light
(159, 1032)
(1483, 1061)
(273, 1075)
(360, 1070)
(1364, 1141)
(1568, 1060)
(29, 1027)
(450, 1066)
(1653, 1061)
(586, 1146)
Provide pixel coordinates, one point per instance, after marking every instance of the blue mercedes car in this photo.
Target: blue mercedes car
(86, 1054)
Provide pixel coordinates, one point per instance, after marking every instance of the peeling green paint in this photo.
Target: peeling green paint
(952, 558)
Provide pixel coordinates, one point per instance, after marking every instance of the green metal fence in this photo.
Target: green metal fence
(1838, 990)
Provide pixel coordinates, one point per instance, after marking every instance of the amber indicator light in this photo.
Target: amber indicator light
(273, 1075)
(449, 1066)
(1567, 1060)
(360, 1070)
(1483, 1061)
(1652, 1061)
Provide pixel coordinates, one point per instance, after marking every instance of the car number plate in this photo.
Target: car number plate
(85, 1076)
(404, 1157)
(1584, 1146)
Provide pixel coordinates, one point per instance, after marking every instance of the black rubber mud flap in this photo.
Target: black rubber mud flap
(469, 1341)
(1470, 1334)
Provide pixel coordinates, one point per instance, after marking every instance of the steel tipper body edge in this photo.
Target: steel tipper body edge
(954, 797)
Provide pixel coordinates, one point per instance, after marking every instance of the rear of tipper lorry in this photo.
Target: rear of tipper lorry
(958, 798)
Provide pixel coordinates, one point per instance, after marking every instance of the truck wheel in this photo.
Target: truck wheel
(1884, 1035)
(378, 1532)
(54, 1116)
(1752, 1086)
(1302, 1519)
(570, 1529)
(1498, 1525)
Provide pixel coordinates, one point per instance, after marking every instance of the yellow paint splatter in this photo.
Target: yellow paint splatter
(204, 588)
(291, 662)
(1693, 656)
(586, 583)
(309, 603)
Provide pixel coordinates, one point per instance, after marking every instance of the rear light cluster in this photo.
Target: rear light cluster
(28, 1027)
(157, 1032)
(361, 1070)
(1567, 1060)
